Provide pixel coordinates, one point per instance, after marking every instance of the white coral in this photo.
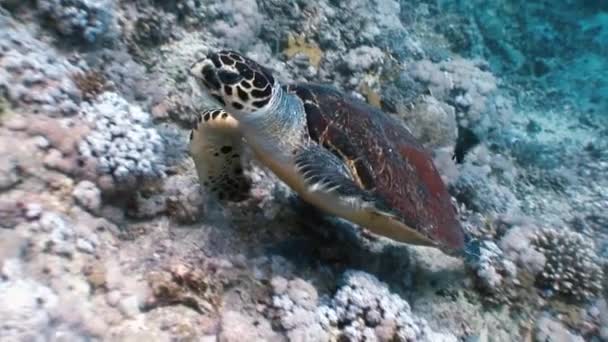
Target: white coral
(461, 83)
(124, 142)
(563, 261)
(363, 309)
(572, 267)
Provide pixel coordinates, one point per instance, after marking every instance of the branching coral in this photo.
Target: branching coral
(363, 309)
(295, 303)
(559, 261)
(572, 268)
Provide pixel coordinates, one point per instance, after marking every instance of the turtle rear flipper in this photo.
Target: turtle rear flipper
(216, 146)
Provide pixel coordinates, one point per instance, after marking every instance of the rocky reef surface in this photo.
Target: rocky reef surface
(106, 235)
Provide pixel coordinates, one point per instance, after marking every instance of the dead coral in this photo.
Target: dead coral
(91, 84)
(63, 137)
(372, 96)
(183, 284)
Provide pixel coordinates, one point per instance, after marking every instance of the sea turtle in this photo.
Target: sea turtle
(338, 153)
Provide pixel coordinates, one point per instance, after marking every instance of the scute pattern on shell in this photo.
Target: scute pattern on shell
(385, 159)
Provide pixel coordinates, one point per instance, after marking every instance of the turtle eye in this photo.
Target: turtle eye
(210, 78)
(228, 77)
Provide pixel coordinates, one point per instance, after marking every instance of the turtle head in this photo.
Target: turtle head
(238, 83)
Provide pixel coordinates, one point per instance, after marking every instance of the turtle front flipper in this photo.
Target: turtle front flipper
(324, 172)
(216, 146)
(331, 186)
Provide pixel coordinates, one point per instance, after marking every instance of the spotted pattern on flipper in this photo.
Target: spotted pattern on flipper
(236, 81)
(216, 147)
(230, 184)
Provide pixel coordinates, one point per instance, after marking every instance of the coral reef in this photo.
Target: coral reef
(572, 266)
(493, 269)
(548, 329)
(88, 195)
(236, 22)
(555, 35)
(122, 141)
(432, 121)
(9, 173)
(33, 75)
(26, 304)
(559, 261)
(105, 233)
(179, 197)
(362, 309)
(465, 85)
(476, 187)
(89, 21)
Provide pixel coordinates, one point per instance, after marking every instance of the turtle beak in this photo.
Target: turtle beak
(205, 71)
(196, 69)
(193, 69)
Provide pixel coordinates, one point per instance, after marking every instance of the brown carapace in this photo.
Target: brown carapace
(384, 159)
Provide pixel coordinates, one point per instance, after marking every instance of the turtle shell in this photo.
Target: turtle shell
(385, 159)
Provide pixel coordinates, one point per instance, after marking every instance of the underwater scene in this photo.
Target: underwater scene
(292, 170)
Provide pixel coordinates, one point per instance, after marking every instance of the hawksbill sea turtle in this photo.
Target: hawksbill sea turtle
(337, 153)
